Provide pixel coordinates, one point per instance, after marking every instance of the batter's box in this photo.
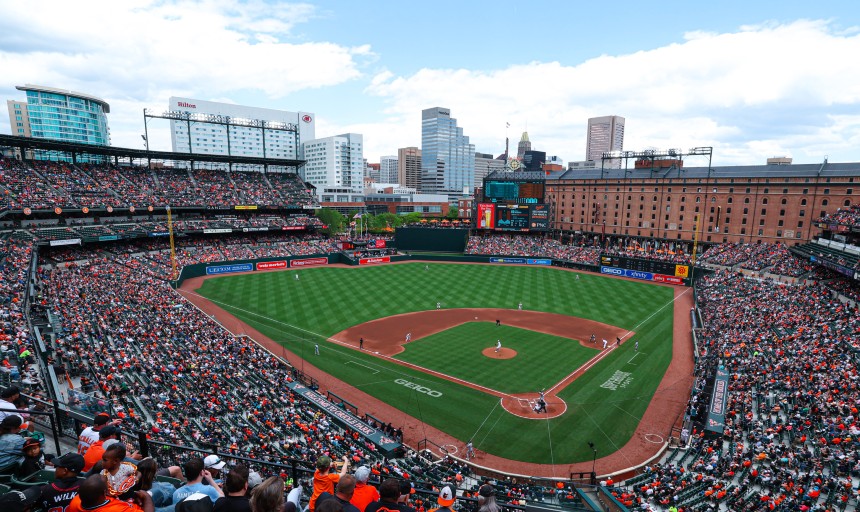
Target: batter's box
(526, 403)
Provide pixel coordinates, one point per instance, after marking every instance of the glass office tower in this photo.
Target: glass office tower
(447, 158)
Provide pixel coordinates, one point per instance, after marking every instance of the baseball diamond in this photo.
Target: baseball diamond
(455, 388)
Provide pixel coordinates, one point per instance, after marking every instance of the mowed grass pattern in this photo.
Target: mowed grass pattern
(458, 352)
(324, 301)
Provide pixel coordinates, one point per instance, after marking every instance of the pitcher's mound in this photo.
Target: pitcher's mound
(503, 353)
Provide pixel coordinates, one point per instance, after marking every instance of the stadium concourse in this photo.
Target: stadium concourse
(791, 435)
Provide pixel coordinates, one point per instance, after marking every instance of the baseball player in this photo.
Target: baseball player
(604, 342)
(408, 337)
(498, 346)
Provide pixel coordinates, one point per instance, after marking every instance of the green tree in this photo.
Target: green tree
(331, 218)
(411, 218)
(452, 213)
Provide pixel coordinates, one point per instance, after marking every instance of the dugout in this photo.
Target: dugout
(431, 239)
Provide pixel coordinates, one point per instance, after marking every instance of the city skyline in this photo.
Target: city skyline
(753, 81)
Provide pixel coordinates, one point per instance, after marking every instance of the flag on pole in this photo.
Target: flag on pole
(357, 216)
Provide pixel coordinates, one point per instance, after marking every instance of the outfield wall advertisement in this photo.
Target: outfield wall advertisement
(522, 261)
(374, 261)
(637, 274)
(308, 262)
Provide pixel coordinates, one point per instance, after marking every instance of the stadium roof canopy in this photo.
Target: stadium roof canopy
(30, 143)
(733, 171)
(516, 175)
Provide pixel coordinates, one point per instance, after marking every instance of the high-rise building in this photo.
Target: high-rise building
(238, 130)
(484, 165)
(388, 169)
(335, 165)
(524, 145)
(447, 157)
(409, 167)
(534, 160)
(605, 134)
(60, 115)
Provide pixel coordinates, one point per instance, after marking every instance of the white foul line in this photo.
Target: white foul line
(359, 364)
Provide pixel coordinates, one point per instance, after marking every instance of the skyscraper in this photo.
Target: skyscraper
(447, 158)
(409, 167)
(388, 169)
(335, 165)
(605, 134)
(524, 145)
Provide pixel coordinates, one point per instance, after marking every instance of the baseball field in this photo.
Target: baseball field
(449, 375)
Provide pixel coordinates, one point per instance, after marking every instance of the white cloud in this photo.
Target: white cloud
(708, 90)
(138, 53)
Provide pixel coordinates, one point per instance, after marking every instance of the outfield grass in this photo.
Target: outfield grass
(299, 314)
(457, 352)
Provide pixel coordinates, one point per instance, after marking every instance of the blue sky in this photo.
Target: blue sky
(751, 79)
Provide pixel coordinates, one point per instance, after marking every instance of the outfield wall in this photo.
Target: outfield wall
(431, 239)
(241, 266)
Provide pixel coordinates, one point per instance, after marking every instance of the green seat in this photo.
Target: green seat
(37, 479)
(4, 489)
(175, 482)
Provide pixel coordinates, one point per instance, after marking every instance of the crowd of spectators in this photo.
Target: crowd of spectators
(791, 435)
(849, 216)
(46, 185)
(586, 251)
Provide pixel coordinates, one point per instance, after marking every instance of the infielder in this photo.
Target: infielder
(604, 342)
(498, 346)
(408, 337)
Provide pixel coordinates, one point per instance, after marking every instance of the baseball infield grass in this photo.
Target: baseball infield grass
(457, 352)
(604, 405)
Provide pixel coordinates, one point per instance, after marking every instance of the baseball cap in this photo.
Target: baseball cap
(72, 461)
(447, 496)
(101, 418)
(15, 501)
(324, 462)
(108, 431)
(31, 442)
(214, 462)
(362, 474)
(486, 491)
(254, 479)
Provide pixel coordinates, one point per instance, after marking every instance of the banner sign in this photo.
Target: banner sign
(660, 278)
(250, 230)
(217, 230)
(379, 244)
(308, 262)
(387, 444)
(159, 233)
(486, 215)
(645, 276)
(245, 207)
(518, 261)
(539, 261)
(682, 271)
(832, 266)
(292, 228)
(717, 410)
(373, 261)
(105, 238)
(226, 269)
(70, 241)
(271, 265)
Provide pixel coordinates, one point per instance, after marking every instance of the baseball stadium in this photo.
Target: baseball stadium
(544, 340)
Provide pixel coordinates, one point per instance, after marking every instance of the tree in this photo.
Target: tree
(452, 213)
(331, 218)
(412, 218)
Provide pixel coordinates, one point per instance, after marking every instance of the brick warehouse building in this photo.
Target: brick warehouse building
(767, 203)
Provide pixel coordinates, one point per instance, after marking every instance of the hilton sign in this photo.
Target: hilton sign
(186, 105)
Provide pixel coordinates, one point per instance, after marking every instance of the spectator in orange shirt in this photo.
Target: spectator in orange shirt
(96, 450)
(364, 493)
(91, 498)
(324, 480)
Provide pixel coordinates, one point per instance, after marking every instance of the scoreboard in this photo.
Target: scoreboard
(642, 266)
(513, 217)
(514, 192)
